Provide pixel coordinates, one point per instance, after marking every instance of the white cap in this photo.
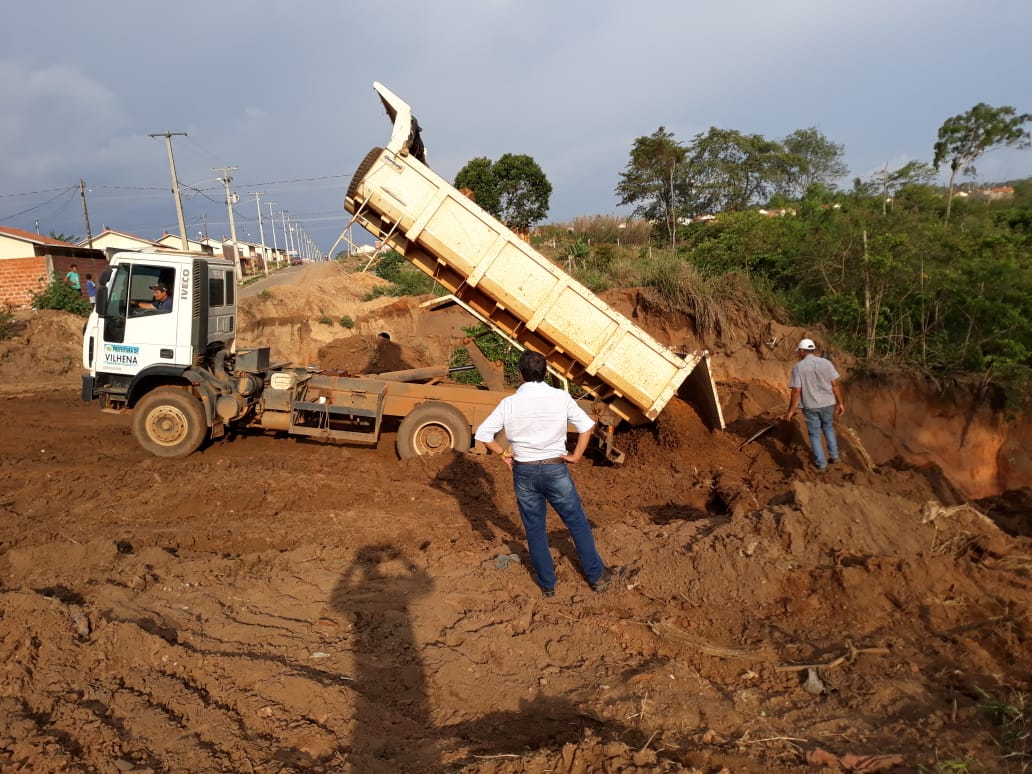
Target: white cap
(807, 344)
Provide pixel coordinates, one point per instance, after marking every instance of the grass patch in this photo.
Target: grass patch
(1009, 713)
(952, 767)
(721, 304)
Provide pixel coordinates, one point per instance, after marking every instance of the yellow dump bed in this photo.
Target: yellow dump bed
(400, 200)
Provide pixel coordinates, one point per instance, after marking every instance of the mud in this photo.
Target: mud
(270, 604)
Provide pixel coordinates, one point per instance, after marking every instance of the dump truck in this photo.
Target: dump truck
(178, 369)
(520, 293)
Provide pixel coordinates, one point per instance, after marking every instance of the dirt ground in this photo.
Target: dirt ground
(273, 604)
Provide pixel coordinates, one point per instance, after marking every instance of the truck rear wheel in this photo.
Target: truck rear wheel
(169, 422)
(433, 428)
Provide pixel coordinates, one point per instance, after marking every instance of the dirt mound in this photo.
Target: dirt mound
(46, 349)
(273, 604)
(355, 355)
(300, 321)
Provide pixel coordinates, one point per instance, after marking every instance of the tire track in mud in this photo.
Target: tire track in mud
(179, 679)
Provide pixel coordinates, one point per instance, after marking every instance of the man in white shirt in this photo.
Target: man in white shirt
(535, 424)
(814, 385)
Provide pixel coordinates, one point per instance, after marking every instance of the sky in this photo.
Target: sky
(283, 92)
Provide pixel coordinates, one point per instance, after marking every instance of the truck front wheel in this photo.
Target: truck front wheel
(433, 428)
(169, 422)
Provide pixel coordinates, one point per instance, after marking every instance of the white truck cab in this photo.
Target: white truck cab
(124, 339)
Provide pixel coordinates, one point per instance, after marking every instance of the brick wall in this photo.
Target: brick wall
(21, 277)
(62, 264)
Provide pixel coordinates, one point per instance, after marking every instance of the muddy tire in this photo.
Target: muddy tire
(433, 428)
(169, 422)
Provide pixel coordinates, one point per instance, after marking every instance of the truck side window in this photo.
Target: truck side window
(217, 290)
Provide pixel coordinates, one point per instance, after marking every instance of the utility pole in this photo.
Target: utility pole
(226, 180)
(272, 228)
(85, 213)
(175, 184)
(292, 248)
(300, 240)
(283, 220)
(261, 231)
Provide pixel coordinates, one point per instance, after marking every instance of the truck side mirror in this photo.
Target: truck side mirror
(102, 292)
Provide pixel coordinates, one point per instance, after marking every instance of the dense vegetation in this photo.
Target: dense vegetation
(885, 280)
(894, 270)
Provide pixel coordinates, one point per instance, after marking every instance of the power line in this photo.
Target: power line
(36, 193)
(42, 204)
(302, 180)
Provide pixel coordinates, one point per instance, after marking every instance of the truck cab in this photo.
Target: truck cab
(130, 348)
(125, 341)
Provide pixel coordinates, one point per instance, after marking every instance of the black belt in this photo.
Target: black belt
(549, 461)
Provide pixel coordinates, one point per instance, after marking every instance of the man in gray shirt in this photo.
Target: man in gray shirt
(815, 388)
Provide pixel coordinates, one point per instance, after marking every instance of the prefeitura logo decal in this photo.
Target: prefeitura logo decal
(121, 354)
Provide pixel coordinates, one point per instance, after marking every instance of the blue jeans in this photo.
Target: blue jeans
(535, 487)
(822, 421)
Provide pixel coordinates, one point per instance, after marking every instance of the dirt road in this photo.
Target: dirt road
(274, 605)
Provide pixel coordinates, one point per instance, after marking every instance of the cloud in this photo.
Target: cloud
(53, 116)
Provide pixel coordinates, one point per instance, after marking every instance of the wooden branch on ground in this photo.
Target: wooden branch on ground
(850, 656)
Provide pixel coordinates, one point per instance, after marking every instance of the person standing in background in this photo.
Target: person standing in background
(72, 278)
(91, 288)
(815, 388)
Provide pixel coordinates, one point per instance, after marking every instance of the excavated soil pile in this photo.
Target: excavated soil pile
(271, 604)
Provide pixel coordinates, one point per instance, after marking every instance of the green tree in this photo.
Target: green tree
(966, 137)
(514, 189)
(523, 191)
(650, 179)
(887, 184)
(728, 170)
(63, 237)
(478, 177)
(819, 160)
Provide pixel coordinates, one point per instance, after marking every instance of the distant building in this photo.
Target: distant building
(999, 193)
(175, 242)
(120, 240)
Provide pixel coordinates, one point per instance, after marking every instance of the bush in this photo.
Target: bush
(347, 322)
(405, 279)
(494, 347)
(62, 296)
(9, 327)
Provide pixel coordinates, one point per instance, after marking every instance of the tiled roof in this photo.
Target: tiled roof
(125, 234)
(28, 236)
